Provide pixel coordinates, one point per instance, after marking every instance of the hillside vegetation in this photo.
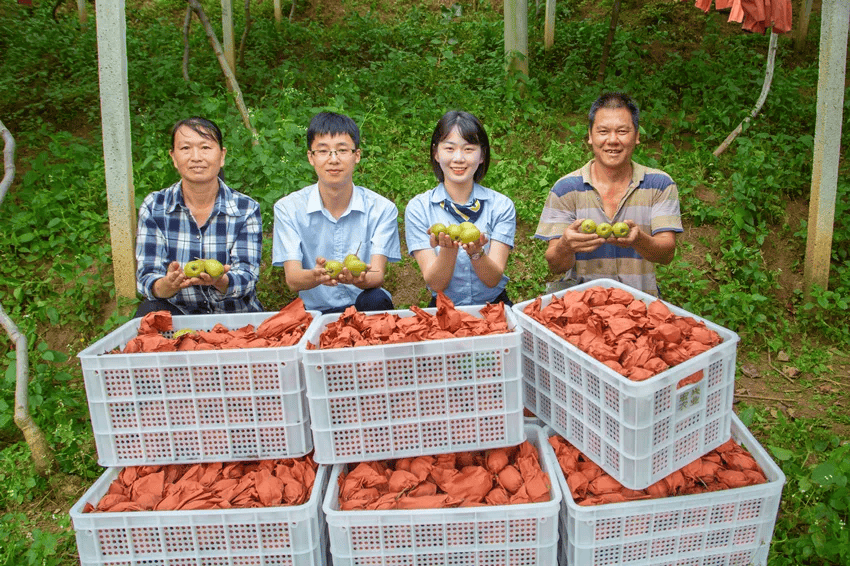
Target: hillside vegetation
(396, 67)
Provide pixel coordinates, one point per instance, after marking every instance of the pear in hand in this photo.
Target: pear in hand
(194, 268)
(333, 268)
(354, 264)
(469, 233)
(588, 226)
(437, 228)
(454, 232)
(603, 230)
(620, 229)
(213, 267)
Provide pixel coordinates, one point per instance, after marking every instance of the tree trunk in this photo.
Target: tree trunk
(187, 22)
(802, 30)
(244, 40)
(39, 449)
(606, 49)
(768, 78)
(232, 84)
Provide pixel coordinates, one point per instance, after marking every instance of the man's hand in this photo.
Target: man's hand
(575, 241)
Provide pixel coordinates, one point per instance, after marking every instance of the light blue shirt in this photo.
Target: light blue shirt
(305, 230)
(497, 222)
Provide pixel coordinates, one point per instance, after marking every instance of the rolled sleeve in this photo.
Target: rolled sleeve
(416, 225)
(504, 223)
(151, 250)
(245, 256)
(385, 238)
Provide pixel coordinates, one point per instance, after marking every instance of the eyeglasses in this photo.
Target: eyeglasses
(342, 153)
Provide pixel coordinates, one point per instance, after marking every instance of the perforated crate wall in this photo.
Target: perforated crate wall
(638, 432)
(196, 406)
(516, 535)
(411, 399)
(280, 536)
(732, 527)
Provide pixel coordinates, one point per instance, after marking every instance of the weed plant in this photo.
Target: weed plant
(396, 68)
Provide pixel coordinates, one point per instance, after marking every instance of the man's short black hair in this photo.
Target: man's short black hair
(331, 123)
(615, 100)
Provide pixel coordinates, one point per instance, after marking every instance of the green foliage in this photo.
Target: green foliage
(396, 73)
(815, 507)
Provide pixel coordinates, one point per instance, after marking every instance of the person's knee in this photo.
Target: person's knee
(149, 306)
(374, 300)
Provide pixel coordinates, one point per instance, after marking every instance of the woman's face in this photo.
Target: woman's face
(198, 159)
(458, 159)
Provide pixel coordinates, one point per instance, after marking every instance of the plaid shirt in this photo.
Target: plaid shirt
(233, 234)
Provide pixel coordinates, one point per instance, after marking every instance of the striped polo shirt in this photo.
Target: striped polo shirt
(651, 201)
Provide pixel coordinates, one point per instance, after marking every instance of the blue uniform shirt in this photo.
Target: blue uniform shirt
(497, 221)
(305, 230)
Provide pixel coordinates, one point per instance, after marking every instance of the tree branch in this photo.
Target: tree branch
(768, 78)
(232, 84)
(39, 449)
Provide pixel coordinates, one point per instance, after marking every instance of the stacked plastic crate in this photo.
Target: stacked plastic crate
(431, 397)
(198, 407)
(639, 433)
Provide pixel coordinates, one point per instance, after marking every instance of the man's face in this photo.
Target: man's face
(335, 170)
(613, 137)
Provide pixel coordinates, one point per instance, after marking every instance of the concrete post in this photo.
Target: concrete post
(117, 155)
(516, 35)
(832, 66)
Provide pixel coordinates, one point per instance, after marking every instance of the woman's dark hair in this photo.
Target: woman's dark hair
(331, 123)
(614, 100)
(204, 128)
(470, 129)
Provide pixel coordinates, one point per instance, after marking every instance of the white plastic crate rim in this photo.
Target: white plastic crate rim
(638, 432)
(731, 527)
(412, 399)
(285, 536)
(196, 406)
(516, 535)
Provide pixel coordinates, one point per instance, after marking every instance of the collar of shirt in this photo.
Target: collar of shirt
(638, 173)
(174, 198)
(314, 202)
(439, 194)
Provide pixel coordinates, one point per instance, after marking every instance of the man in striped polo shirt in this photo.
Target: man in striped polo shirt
(611, 188)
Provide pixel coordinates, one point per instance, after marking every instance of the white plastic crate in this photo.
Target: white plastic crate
(638, 432)
(279, 536)
(732, 527)
(515, 535)
(412, 399)
(196, 406)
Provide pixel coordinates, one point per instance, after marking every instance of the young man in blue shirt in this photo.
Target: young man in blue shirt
(332, 219)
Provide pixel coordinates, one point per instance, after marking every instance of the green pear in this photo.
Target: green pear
(620, 230)
(453, 231)
(181, 332)
(354, 264)
(588, 226)
(214, 268)
(333, 268)
(603, 229)
(194, 268)
(437, 228)
(469, 233)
